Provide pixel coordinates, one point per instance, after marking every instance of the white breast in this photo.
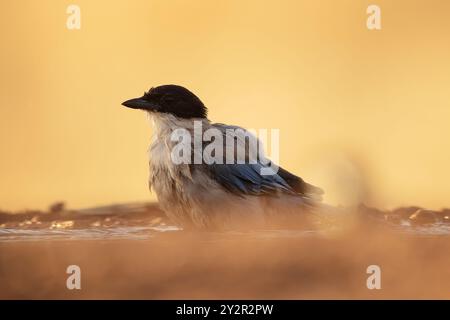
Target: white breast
(171, 182)
(164, 173)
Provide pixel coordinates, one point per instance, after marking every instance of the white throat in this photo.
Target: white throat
(165, 123)
(162, 140)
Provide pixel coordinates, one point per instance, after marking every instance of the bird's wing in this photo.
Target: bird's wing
(247, 178)
(298, 185)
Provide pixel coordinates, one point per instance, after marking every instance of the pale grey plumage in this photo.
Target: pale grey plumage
(217, 195)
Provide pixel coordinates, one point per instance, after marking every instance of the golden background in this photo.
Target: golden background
(363, 114)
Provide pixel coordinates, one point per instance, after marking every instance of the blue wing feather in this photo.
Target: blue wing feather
(246, 179)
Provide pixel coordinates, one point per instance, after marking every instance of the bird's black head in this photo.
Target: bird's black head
(172, 99)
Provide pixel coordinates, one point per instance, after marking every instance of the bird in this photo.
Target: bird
(221, 194)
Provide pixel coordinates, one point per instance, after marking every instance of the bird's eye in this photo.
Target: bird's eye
(168, 98)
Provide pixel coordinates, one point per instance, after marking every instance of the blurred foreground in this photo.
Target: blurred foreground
(132, 252)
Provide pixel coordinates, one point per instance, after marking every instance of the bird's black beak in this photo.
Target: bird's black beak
(140, 103)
